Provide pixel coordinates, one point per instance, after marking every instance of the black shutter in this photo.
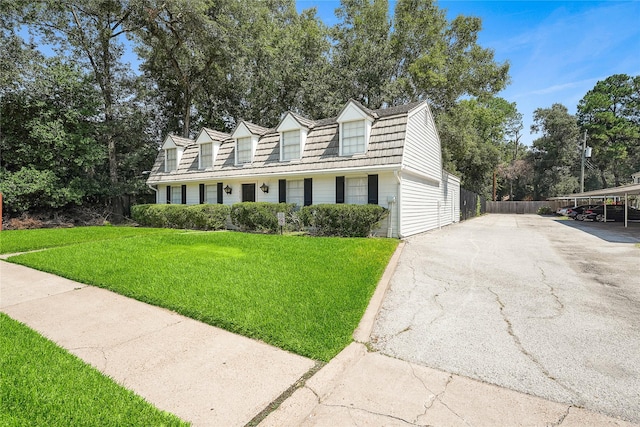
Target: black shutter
(339, 189)
(201, 193)
(373, 190)
(219, 193)
(282, 191)
(168, 194)
(308, 196)
(184, 195)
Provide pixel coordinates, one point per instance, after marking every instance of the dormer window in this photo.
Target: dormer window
(244, 150)
(355, 122)
(206, 155)
(170, 162)
(353, 137)
(293, 130)
(291, 145)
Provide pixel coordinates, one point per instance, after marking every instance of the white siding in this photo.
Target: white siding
(422, 152)
(419, 201)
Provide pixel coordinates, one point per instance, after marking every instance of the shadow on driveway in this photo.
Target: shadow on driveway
(613, 232)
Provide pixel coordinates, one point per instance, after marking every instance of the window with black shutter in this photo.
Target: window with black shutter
(184, 195)
(168, 194)
(339, 189)
(220, 191)
(202, 193)
(372, 191)
(308, 192)
(282, 191)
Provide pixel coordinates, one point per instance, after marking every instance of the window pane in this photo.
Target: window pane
(291, 145)
(206, 155)
(211, 194)
(353, 137)
(176, 195)
(356, 189)
(170, 161)
(244, 150)
(295, 192)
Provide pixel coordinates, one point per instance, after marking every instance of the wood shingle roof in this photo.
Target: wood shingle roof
(321, 150)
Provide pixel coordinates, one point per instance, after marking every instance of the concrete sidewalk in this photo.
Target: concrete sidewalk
(211, 377)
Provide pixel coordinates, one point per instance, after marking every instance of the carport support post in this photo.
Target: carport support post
(626, 208)
(584, 148)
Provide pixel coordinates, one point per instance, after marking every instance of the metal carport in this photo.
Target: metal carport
(624, 190)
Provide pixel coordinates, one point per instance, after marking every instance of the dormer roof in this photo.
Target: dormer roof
(292, 120)
(354, 108)
(210, 135)
(245, 128)
(173, 141)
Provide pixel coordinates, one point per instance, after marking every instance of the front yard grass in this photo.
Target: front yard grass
(43, 385)
(12, 241)
(302, 294)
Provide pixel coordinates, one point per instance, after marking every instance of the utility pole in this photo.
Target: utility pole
(584, 156)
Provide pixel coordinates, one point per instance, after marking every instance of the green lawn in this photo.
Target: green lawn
(12, 241)
(43, 385)
(303, 294)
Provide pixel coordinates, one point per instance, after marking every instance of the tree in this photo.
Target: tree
(556, 152)
(50, 155)
(610, 113)
(361, 55)
(473, 137)
(440, 60)
(92, 32)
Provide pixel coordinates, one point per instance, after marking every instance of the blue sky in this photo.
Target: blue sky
(558, 50)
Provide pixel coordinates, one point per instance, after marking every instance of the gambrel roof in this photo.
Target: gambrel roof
(321, 150)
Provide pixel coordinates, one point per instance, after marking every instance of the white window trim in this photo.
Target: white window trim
(213, 193)
(301, 135)
(295, 186)
(251, 150)
(362, 126)
(200, 156)
(166, 159)
(176, 195)
(367, 134)
(349, 197)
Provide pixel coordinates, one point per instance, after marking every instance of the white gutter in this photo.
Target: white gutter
(265, 173)
(397, 174)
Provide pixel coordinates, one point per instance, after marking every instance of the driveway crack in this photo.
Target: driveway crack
(523, 350)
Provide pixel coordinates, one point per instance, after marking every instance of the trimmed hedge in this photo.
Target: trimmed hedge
(261, 216)
(343, 220)
(192, 217)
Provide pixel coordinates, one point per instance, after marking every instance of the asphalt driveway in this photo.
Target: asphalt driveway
(534, 304)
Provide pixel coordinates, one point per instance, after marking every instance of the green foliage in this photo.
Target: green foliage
(192, 217)
(610, 113)
(556, 152)
(343, 220)
(303, 294)
(43, 385)
(31, 189)
(260, 216)
(545, 210)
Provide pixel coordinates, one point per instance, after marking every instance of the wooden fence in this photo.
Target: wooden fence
(522, 207)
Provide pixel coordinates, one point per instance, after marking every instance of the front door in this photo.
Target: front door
(248, 192)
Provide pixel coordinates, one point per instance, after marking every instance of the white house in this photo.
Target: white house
(390, 157)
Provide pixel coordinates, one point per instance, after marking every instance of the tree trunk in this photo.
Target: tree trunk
(604, 180)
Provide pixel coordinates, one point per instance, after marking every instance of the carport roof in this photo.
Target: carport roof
(613, 191)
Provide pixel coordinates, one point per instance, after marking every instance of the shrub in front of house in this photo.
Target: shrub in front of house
(192, 217)
(545, 210)
(343, 220)
(260, 216)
